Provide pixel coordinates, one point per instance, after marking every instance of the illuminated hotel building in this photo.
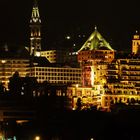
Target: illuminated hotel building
(123, 81)
(106, 80)
(63, 75)
(94, 57)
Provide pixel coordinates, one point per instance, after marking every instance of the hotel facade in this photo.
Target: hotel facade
(106, 78)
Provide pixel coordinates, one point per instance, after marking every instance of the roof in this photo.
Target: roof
(13, 51)
(40, 61)
(96, 42)
(35, 17)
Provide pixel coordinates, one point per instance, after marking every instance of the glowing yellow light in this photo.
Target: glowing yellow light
(21, 121)
(37, 138)
(103, 81)
(68, 37)
(38, 54)
(1, 136)
(3, 61)
(77, 85)
(92, 76)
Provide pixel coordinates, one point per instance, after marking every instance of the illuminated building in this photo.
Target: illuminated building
(94, 57)
(119, 93)
(89, 95)
(55, 56)
(98, 79)
(50, 55)
(106, 80)
(35, 49)
(35, 37)
(64, 75)
(33, 62)
(123, 81)
(136, 43)
(125, 71)
(9, 65)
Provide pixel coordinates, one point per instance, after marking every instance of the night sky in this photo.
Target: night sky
(116, 20)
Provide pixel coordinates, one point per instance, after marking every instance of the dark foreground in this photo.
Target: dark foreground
(83, 125)
(53, 122)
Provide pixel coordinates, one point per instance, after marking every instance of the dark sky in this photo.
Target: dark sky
(116, 20)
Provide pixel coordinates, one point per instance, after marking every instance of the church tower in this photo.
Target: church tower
(35, 26)
(136, 43)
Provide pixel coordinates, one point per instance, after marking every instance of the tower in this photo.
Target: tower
(136, 43)
(94, 56)
(35, 26)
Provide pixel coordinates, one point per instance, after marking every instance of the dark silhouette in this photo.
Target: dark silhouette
(29, 85)
(15, 84)
(79, 104)
(2, 88)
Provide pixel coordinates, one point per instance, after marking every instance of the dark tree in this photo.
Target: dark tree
(79, 104)
(133, 101)
(2, 88)
(15, 84)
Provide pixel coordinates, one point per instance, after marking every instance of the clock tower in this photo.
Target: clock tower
(35, 26)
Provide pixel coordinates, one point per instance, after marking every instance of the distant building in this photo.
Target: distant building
(9, 66)
(136, 43)
(35, 62)
(55, 56)
(50, 55)
(65, 75)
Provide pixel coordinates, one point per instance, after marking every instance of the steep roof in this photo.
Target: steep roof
(96, 42)
(35, 17)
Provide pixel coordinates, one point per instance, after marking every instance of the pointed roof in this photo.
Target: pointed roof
(96, 42)
(35, 17)
(35, 3)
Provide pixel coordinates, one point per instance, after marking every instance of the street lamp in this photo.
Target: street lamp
(37, 138)
(3, 70)
(76, 86)
(1, 136)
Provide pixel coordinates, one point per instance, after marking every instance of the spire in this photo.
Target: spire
(95, 42)
(35, 17)
(35, 25)
(35, 3)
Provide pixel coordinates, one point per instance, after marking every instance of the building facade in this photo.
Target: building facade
(114, 79)
(136, 43)
(9, 66)
(64, 75)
